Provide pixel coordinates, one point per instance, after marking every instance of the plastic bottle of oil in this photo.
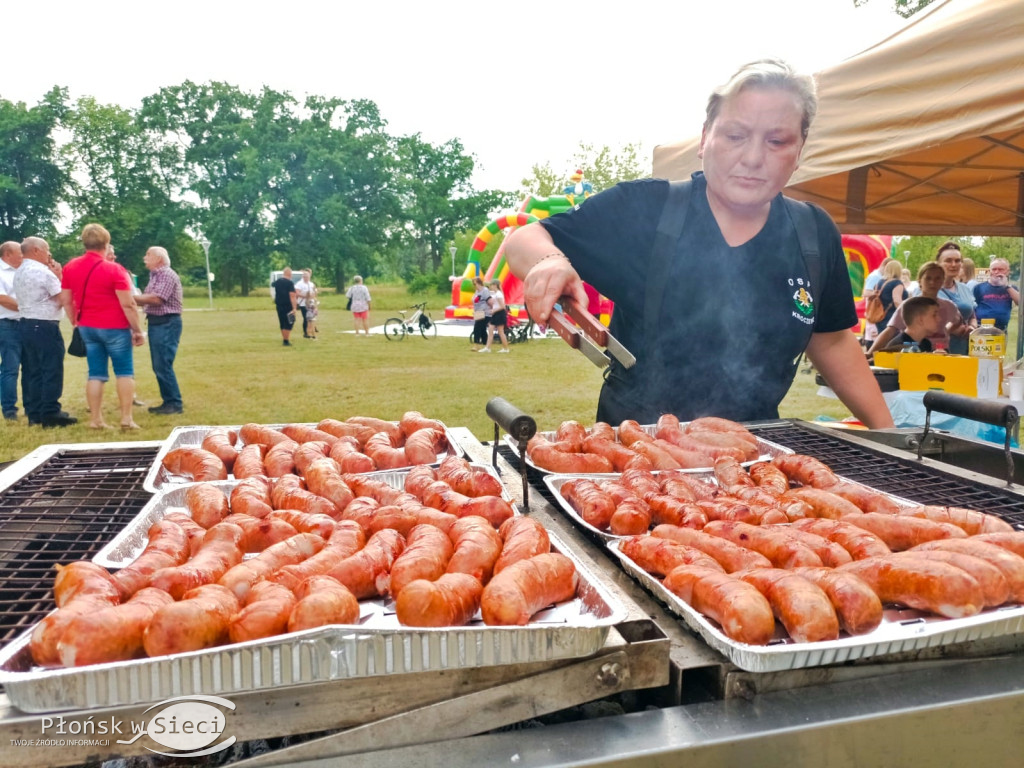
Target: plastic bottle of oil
(987, 341)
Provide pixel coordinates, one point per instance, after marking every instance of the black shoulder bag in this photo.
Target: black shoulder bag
(77, 347)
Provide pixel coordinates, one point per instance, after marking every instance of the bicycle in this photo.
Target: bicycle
(396, 328)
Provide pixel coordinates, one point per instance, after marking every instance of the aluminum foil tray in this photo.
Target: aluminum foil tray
(192, 437)
(129, 543)
(378, 646)
(768, 450)
(901, 630)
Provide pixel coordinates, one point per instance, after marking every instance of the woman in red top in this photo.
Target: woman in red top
(108, 319)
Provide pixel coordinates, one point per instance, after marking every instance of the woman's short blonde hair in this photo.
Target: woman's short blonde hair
(95, 238)
(893, 270)
(767, 73)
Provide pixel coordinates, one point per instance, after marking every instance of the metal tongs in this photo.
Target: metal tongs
(588, 335)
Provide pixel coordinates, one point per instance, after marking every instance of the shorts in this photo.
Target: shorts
(499, 319)
(104, 343)
(361, 315)
(282, 318)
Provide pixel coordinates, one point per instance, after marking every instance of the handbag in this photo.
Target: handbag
(875, 311)
(77, 347)
(348, 304)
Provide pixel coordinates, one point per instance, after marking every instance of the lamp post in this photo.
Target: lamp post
(205, 245)
(452, 250)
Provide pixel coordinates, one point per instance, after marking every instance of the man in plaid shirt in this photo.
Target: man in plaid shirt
(162, 303)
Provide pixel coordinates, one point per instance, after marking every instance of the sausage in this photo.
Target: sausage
(620, 456)
(322, 601)
(252, 497)
(864, 499)
(782, 550)
(418, 478)
(287, 494)
(206, 504)
(266, 613)
(860, 543)
(856, 604)
(769, 477)
(258, 433)
(361, 511)
(528, 586)
(995, 588)
(632, 517)
(805, 470)
(360, 432)
(193, 531)
(111, 633)
(260, 533)
(303, 522)
(391, 516)
(1012, 542)
(717, 424)
(724, 508)
(971, 521)
(603, 430)
(195, 464)
(658, 456)
(199, 620)
(303, 433)
(803, 608)
(241, 578)
(391, 429)
(669, 510)
(900, 532)
(347, 451)
(449, 601)
(730, 441)
(324, 479)
(573, 433)
(346, 539)
(660, 556)
(673, 483)
(926, 585)
(822, 503)
(424, 445)
(83, 578)
(366, 572)
(309, 452)
(630, 431)
(384, 453)
(477, 547)
(1009, 564)
(249, 462)
(49, 631)
(426, 556)
(743, 613)
(414, 421)
(440, 495)
(730, 473)
(687, 442)
(521, 537)
(168, 546)
(220, 551)
(467, 480)
(429, 516)
(555, 458)
(280, 459)
(685, 457)
(758, 495)
(375, 489)
(220, 441)
(732, 557)
(831, 553)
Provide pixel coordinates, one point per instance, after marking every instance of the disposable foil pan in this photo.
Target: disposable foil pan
(378, 646)
(129, 543)
(767, 449)
(192, 437)
(901, 630)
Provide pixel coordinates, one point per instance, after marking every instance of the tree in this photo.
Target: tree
(604, 167)
(31, 180)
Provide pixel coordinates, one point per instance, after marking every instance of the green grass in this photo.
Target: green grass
(233, 369)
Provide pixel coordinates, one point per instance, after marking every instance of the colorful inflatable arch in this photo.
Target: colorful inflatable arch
(863, 255)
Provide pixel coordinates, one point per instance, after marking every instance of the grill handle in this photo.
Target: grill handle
(520, 427)
(985, 411)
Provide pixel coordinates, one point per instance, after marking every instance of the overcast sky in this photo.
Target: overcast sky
(517, 83)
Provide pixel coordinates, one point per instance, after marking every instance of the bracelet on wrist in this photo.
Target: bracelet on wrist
(553, 254)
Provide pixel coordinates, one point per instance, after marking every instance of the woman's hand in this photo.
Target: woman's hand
(138, 338)
(547, 282)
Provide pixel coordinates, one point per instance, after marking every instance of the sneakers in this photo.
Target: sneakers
(62, 420)
(502, 351)
(286, 343)
(485, 349)
(166, 409)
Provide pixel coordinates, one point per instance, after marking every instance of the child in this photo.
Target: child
(311, 314)
(921, 315)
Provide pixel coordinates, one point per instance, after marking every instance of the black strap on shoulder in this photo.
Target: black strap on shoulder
(670, 227)
(802, 216)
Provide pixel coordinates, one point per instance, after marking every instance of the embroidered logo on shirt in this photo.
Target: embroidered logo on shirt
(803, 302)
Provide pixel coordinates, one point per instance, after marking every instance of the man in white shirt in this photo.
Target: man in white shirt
(41, 304)
(10, 334)
(304, 291)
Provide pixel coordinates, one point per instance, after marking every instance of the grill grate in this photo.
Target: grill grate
(900, 477)
(67, 509)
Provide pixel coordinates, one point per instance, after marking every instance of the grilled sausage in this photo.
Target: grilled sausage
(994, 587)
(449, 601)
(467, 480)
(782, 550)
(268, 607)
(111, 633)
(426, 555)
(258, 433)
(424, 445)
(303, 433)
(221, 549)
(477, 547)
(556, 457)
(522, 537)
(660, 556)
(743, 613)
(732, 557)
(805, 470)
(324, 479)
(206, 504)
(802, 607)
(856, 604)
(280, 459)
(346, 539)
(199, 620)
(252, 496)
(900, 532)
(525, 587)
(83, 578)
(241, 578)
(918, 583)
(347, 451)
(195, 464)
(1009, 564)
(620, 456)
(823, 503)
(366, 572)
(249, 462)
(168, 546)
(971, 521)
(860, 543)
(260, 533)
(220, 441)
(322, 601)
